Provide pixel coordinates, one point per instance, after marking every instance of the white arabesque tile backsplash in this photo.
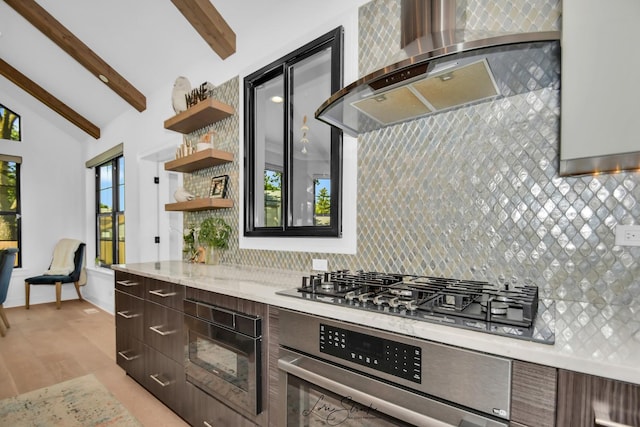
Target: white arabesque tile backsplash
(472, 193)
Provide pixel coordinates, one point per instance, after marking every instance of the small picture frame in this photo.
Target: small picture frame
(218, 189)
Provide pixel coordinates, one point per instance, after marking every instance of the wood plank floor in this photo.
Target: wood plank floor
(45, 346)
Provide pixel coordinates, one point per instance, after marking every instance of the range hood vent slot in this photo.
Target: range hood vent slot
(449, 88)
(445, 68)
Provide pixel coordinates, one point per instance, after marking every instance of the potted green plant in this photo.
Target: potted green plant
(214, 233)
(190, 248)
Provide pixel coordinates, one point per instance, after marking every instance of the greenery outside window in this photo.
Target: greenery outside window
(10, 217)
(9, 124)
(322, 201)
(110, 229)
(293, 166)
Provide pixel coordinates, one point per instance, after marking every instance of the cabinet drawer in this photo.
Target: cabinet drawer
(163, 330)
(130, 283)
(129, 314)
(165, 293)
(201, 410)
(533, 394)
(130, 356)
(590, 400)
(165, 379)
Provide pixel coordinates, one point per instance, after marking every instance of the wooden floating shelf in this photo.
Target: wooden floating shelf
(199, 160)
(199, 205)
(200, 115)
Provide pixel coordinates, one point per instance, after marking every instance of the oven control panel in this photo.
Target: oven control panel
(391, 357)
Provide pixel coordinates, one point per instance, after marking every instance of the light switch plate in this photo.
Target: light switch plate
(627, 235)
(319, 265)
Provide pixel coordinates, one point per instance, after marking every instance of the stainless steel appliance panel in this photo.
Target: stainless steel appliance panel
(220, 360)
(319, 394)
(475, 380)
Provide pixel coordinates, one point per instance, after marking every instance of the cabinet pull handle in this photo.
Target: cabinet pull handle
(206, 424)
(162, 383)
(127, 283)
(127, 358)
(162, 295)
(602, 416)
(608, 423)
(126, 315)
(157, 330)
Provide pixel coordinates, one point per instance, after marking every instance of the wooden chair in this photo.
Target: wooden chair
(58, 280)
(7, 259)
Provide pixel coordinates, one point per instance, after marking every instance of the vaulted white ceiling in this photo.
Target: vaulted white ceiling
(148, 42)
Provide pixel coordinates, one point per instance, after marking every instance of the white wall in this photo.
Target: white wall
(56, 183)
(52, 190)
(145, 141)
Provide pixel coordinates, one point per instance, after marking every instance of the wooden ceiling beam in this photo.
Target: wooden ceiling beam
(71, 44)
(211, 26)
(46, 98)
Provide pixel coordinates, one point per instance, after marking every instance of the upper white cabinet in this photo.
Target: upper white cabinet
(600, 99)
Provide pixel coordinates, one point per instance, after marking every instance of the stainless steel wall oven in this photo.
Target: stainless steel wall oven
(337, 373)
(223, 355)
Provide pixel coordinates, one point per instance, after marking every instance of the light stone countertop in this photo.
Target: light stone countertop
(598, 340)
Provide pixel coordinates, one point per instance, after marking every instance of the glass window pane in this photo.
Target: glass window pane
(120, 184)
(8, 188)
(10, 121)
(121, 239)
(10, 208)
(110, 216)
(269, 153)
(322, 209)
(105, 237)
(121, 170)
(9, 230)
(272, 198)
(311, 145)
(287, 149)
(106, 200)
(106, 176)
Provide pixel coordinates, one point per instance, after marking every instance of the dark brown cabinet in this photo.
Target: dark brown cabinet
(150, 347)
(129, 325)
(130, 354)
(594, 401)
(149, 344)
(207, 411)
(164, 358)
(543, 396)
(165, 380)
(163, 330)
(533, 395)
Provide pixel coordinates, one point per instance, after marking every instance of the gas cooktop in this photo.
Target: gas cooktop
(508, 310)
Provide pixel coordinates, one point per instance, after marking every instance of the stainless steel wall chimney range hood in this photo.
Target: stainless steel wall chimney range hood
(445, 67)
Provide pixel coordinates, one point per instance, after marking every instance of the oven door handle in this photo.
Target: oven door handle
(289, 364)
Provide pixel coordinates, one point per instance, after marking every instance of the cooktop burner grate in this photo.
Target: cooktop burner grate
(468, 303)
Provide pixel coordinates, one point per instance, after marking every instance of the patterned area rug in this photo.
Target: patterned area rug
(81, 402)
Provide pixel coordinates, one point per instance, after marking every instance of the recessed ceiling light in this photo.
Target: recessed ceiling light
(103, 78)
(277, 99)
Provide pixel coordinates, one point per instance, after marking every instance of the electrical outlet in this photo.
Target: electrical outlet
(628, 235)
(319, 265)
